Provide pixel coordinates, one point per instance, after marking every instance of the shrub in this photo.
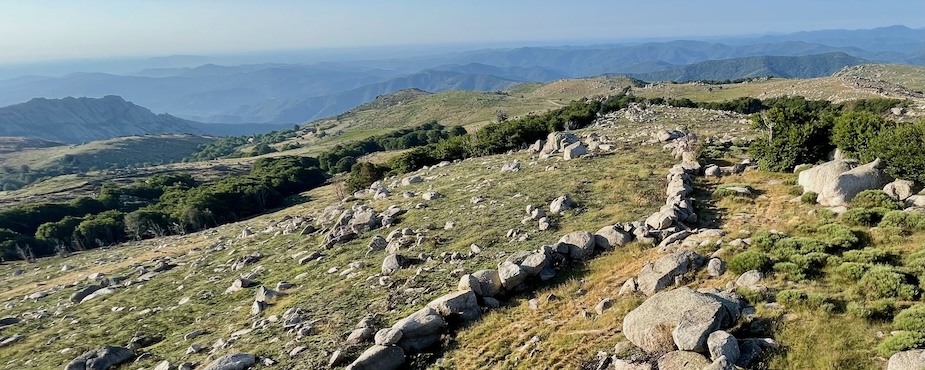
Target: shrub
(791, 297)
(882, 309)
(795, 190)
(863, 216)
(794, 134)
(851, 271)
(875, 198)
(885, 282)
(901, 342)
(905, 221)
(854, 132)
(764, 240)
(911, 319)
(838, 236)
(811, 263)
(791, 182)
(790, 271)
(869, 255)
(902, 148)
(749, 260)
(826, 214)
(809, 197)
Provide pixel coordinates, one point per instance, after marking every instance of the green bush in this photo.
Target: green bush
(911, 319)
(794, 131)
(854, 132)
(791, 182)
(901, 342)
(851, 271)
(838, 236)
(809, 197)
(795, 190)
(905, 221)
(880, 310)
(786, 247)
(749, 260)
(791, 297)
(863, 216)
(902, 148)
(764, 240)
(811, 264)
(875, 198)
(870, 256)
(885, 282)
(791, 271)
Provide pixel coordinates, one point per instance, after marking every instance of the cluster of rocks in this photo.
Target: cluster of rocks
(686, 329)
(569, 145)
(837, 182)
(351, 223)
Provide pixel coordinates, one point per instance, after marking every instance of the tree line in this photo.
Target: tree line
(174, 204)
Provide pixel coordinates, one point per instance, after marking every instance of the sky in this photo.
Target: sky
(41, 30)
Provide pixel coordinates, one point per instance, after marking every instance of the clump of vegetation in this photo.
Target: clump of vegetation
(809, 197)
(863, 216)
(749, 260)
(853, 133)
(791, 297)
(902, 148)
(851, 271)
(879, 310)
(900, 342)
(875, 199)
(886, 282)
(838, 237)
(904, 221)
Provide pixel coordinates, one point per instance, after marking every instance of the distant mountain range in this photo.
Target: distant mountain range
(77, 120)
(807, 66)
(292, 93)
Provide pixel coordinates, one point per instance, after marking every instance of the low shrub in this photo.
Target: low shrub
(851, 271)
(905, 221)
(838, 236)
(880, 310)
(875, 198)
(787, 247)
(900, 342)
(869, 255)
(791, 271)
(791, 297)
(885, 282)
(811, 264)
(749, 260)
(809, 197)
(764, 240)
(795, 190)
(863, 216)
(911, 319)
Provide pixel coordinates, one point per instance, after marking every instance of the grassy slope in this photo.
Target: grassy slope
(911, 77)
(123, 151)
(338, 302)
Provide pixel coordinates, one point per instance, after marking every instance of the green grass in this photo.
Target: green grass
(623, 186)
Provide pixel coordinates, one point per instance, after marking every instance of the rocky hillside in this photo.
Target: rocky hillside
(79, 120)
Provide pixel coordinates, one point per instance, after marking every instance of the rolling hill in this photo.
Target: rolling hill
(77, 120)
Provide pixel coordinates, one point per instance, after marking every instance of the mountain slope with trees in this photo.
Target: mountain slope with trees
(78, 120)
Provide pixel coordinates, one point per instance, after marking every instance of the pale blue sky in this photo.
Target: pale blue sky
(50, 29)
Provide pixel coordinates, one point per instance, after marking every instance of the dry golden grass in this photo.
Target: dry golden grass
(566, 337)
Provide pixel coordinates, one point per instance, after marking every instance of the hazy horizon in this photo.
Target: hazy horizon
(46, 31)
